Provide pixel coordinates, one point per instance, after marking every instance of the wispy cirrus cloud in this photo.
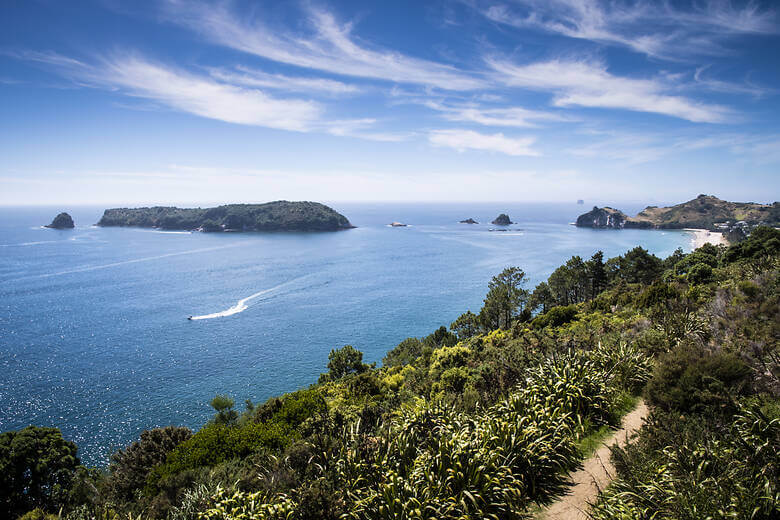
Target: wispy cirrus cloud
(330, 46)
(589, 84)
(462, 140)
(656, 29)
(250, 77)
(215, 96)
(511, 116)
(635, 148)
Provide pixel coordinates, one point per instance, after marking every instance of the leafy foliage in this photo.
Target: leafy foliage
(36, 469)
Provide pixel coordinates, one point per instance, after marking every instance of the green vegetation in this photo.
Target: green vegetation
(484, 420)
(272, 216)
(703, 212)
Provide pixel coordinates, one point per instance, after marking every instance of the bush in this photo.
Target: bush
(555, 317)
(406, 352)
(688, 379)
(130, 467)
(700, 274)
(689, 469)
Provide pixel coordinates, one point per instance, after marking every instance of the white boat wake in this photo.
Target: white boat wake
(241, 305)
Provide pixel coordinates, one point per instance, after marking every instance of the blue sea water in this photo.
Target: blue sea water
(94, 337)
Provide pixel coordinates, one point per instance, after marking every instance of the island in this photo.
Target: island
(62, 221)
(704, 212)
(502, 220)
(605, 217)
(469, 221)
(272, 216)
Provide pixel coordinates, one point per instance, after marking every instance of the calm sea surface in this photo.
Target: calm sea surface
(93, 331)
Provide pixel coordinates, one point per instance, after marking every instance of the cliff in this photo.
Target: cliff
(704, 212)
(271, 216)
(62, 221)
(602, 218)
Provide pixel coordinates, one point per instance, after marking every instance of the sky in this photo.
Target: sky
(195, 102)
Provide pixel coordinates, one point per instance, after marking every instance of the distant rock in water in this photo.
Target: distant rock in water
(398, 224)
(62, 221)
(580, 202)
(271, 216)
(469, 221)
(602, 218)
(502, 220)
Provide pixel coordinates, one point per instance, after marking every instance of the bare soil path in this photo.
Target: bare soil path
(596, 473)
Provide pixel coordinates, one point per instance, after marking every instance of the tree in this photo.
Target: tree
(36, 469)
(466, 326)
(570, 283)
(406, 352)
(440, 337)
(505, 299)
(638, 266)
(130, 467)
(541, 299)
(343, 362)
(224, 407)
(597, 274)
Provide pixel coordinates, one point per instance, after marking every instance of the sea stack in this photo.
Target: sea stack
(605, 217)
(502, 220)
(62, 221)
(469, 221)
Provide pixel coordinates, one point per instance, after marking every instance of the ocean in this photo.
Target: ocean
(94, 335)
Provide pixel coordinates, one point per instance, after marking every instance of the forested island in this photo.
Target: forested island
(271, 216)
(484, 418)
(703, 212)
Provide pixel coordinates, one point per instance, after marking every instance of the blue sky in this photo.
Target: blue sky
(110, 102)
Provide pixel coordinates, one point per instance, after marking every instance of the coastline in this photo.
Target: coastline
(704, 236)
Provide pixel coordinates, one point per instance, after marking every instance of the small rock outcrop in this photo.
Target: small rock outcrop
(398, 224)
(602, 218)
(62, 221)
(469, 221)
(502, 220)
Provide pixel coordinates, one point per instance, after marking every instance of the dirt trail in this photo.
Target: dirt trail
(596, 473)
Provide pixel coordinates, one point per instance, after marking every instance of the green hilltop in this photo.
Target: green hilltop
(271, 216)
(703, 212)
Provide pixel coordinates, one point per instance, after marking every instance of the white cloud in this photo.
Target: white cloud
(505, 116)
(634, 148)
(205, 97)
(331, 48)
(463, 140)
(215, 96)
(591, 85)
(249, 77)
(654, 28)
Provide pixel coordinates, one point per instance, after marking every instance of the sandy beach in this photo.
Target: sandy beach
(702, 236)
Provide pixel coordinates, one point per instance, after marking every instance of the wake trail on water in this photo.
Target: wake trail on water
(241, 305)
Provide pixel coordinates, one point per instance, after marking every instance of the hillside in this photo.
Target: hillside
(271, 216)
(486, 418)
(703, 212)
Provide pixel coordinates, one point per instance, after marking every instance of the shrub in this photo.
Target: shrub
(690, 472)
(555, 317)
(689, 379)
(130, 467)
